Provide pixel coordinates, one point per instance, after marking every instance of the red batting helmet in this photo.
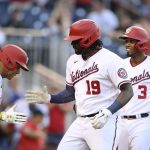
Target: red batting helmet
(137, 33)
(86, 30)
(11, 55)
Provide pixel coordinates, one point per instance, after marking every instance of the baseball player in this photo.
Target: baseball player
(136, 114)
(12, 59)
(97, 80)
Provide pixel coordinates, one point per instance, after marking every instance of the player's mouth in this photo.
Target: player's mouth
(128, 49)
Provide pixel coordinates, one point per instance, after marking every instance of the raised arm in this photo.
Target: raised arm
(42, 96)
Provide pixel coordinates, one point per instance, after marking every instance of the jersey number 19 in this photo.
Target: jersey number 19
(93, 87)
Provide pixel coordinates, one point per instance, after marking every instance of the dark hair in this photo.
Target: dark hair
(97, 43)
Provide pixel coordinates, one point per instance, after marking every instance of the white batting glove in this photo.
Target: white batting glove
(11, 116)
(100, 119)
(40, 96)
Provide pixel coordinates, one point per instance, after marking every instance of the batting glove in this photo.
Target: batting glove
(40, 96)
(11, 116)
(100, 119)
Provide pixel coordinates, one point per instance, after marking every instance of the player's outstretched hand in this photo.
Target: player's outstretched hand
(99, 120)
(39, 96)
(11, 116)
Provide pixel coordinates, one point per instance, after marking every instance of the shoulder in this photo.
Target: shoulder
(126, 60)
(148, 58)
(147, 61)
(111, 56)
(72, 58)
(109, 14)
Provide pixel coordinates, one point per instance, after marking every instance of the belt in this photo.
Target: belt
(90, 115)
(143, 115)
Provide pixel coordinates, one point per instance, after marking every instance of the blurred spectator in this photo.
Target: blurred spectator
(130, 6)
(125, 19)
(41, 3)
(104, 17)
(4, 9)
(20, 3)
(32, 136)
(15, 18)
(84, 2)
(83, 6)
(62, 16)
(22, 106)
(45, 110)
(6, 133)
(145, 9)
(56, 126)
(13, 92)
(2, 38)
(107, 20)
(145, 23)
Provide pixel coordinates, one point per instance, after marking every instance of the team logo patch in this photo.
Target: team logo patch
(128, 30)
(122, 73)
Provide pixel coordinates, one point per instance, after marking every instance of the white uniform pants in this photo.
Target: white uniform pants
(82, 136)
(135, 134)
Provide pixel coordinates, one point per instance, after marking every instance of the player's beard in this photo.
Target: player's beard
(10, 76)
(78, 52)
(128, 54)
(133, 54)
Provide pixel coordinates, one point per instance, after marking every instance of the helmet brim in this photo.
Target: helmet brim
(123, 37)
(72, 38)
(23, 66)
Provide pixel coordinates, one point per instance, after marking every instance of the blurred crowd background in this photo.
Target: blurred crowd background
(39, 26)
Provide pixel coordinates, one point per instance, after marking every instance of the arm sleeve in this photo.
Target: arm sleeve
(68, 72)
(65, 96)
(118, 73)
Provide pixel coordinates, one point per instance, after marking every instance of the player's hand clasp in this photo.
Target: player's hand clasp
(39, 96)
(100, 119)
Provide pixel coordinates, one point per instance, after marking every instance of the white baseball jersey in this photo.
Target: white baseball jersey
(140, 79)
(96, 80)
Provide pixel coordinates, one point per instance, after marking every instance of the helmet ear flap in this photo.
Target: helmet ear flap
(139, 46)
(143, 46)
(11, 64)
(84, 42)
(8, 63)
(89, 40)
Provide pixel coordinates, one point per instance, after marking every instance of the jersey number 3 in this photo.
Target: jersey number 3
(93, 87)
(143, 92)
